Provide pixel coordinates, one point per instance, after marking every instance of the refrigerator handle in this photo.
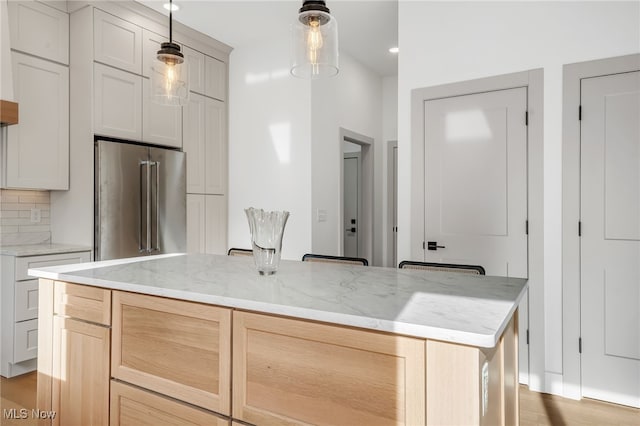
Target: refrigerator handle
(156, 246)
(144, 207)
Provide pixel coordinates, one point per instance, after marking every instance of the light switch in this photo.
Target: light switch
(321, 215)
(36, 215)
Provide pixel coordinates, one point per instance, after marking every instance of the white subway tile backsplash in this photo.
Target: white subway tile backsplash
(15, 217)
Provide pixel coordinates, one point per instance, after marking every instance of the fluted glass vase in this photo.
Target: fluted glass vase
(266, 229)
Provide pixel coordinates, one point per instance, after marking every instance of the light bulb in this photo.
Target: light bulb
(314, 43)
(170, 78)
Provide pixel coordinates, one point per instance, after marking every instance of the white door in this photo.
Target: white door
(395, 206)
(476, 187)
(610, 241)
(351, 203)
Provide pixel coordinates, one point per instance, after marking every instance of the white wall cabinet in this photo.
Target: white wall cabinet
(216, 147)
(117, 103)
(39, 30)
(161, 124)
(215, 78)
(196, 61)
(19, 308)
(117, 42)
(207, 224)
(194, 142)
(35, 154)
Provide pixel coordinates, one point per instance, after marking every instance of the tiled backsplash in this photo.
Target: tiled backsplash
(16, 226)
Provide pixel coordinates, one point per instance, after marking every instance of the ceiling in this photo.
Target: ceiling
(366, 28)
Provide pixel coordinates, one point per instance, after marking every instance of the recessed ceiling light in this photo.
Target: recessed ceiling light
(173, 7)
(394, 50)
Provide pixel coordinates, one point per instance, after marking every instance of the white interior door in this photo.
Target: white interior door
(351, 204)
(610, 241)
(476, 187)
(395, 206)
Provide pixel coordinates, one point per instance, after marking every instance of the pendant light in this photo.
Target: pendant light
(170, 72)
(315, 41)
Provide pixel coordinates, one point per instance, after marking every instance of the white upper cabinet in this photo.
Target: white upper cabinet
(39, 30)
(194, 143)
(216, 147)
(196, 62)
(161, 124)
(215, 78)
(36, 152)
(117, 42)
(117, 103)
(150, 45)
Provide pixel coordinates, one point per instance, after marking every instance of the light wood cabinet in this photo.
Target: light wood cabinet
(36, 151)
(80, 393)
(131, 406)
(177, 348)
(117, 103)
(117, 42)
(299, 372)
(161, 124)
(39, 30)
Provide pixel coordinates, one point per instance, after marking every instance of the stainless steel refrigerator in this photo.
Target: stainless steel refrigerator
(140, 200)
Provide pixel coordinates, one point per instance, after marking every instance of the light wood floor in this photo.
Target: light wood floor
(536, 409)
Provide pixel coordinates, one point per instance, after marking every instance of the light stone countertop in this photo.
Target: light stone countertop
(458, 308)
(40, 249)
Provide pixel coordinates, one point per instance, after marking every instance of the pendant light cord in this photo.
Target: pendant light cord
(170, 21)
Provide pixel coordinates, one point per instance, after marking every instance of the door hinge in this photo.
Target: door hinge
(527, 336)
(580, 113)
(526, 227)
(580, 344)
(423, 245)
(579, 229)
(526, 118)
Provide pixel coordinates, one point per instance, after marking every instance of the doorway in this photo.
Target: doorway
(392, 204)
(356, 195)
(601, 230)
(476, 173)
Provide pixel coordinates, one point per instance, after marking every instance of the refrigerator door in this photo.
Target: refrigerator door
(120, 200)
(168, 201)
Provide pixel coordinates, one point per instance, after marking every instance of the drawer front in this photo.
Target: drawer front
(25, 263)
(25, 341)
(177, 348)
(132, 406)
(26, 294)
(82, 302)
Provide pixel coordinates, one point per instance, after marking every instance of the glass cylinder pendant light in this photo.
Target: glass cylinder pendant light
(315, 41)
(170, 72)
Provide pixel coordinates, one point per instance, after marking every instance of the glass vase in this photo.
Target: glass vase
(266, 229)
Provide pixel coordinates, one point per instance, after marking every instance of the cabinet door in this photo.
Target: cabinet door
(150, 46)
(132, 406)
(216, 224)
(177, 348)
(117, 42)
(117, 103)
(215, 78)
(196, 61)
(26, 298)
(298, 372)
(25, 344)
(216, 148)
(80, 388)
(194, 143)
(37, 150)
(161, 124)
(196, 223)
(39, 30)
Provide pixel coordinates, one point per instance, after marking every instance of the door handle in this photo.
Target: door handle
(156, 246)
(433, 245)
(144, 207)
(350, 229)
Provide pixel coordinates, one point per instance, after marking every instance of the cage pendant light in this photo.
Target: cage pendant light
(315, 41)
(170, 72)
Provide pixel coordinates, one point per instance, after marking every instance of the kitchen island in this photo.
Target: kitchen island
(205, 339)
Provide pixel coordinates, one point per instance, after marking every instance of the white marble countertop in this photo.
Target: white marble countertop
(457, 308)
(40, 249)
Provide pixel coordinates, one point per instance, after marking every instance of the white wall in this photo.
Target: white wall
(351, 100)
(444, 42)
(269, 144)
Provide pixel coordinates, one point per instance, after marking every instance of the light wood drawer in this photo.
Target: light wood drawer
(25, 263)
(132, 406)
(26, 298)
(25, 340)
(296, 372)
(177, 348)
(86, 303)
